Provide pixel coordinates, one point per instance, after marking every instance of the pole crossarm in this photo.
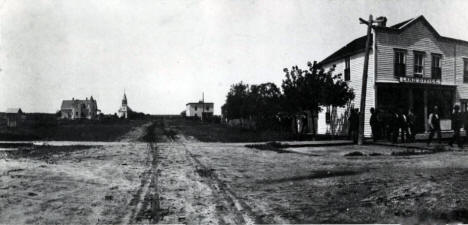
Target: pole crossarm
(363, 21)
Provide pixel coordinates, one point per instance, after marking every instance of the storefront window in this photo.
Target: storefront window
(443, 99)
(395, 98)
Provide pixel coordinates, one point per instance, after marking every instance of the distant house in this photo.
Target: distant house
(197, 109)
(79, 109)
(124, 109)
(14, 116)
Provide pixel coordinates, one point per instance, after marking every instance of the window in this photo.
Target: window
(347, 71)
(465, 70)
(436, 71)
(418, 64)
(207, 108)
(196, 108)
(400, 63)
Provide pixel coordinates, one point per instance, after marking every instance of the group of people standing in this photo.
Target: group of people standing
(392, 125)
(389, 125)
(399, 125)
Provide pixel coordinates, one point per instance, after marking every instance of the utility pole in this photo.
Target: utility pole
(203, 105)
(362, 109)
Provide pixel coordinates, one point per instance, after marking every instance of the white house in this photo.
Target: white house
(196, 109)
(411, 66)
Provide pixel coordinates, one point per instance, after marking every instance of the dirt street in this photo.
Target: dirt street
(174, 178)
(311, 185)
(74, 184)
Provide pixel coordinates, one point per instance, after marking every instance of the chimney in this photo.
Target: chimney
(382, 21)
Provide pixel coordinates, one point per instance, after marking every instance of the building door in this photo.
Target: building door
(418, 110)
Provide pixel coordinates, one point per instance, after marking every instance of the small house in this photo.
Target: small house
(199, 109)
(14, 116)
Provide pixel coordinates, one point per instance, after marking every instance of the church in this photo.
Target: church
(124, 110)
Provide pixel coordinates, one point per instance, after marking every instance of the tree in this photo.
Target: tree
(235, 106)
(308, 90)
(264, 101)
(259, 103)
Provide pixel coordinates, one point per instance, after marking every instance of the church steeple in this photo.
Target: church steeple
(124, 100)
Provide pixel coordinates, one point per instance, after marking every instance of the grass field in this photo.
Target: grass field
(65, 130)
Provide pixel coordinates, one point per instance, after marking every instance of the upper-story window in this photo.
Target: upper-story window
(400, 63)
(436, 71)
(465, 70)
(196, 108)
(347, 70)
(418, 64)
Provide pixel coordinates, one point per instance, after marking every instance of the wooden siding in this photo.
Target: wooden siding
(462, 88)
(418, 37)
(341, 117)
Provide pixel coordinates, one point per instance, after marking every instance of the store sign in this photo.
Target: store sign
(420, 80)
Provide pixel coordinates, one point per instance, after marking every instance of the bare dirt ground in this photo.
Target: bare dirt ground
(75, 184)
(172, 177)
(311, 185)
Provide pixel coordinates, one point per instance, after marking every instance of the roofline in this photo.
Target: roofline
(342, 57)
(403, 27)
(424, 20)
(199, 103)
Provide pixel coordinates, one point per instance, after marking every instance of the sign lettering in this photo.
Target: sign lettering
(420, 80)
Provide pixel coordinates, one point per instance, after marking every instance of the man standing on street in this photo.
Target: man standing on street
(456, 125)
(434, 125)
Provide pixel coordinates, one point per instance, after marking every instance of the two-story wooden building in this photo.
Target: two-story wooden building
(199, 109)
(411, 66)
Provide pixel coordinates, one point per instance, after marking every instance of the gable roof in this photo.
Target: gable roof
(358, 45)
(14, 110)
(401, 24)
(69, 104)
(400, 27)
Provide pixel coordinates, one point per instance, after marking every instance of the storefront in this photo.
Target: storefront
(420, 95)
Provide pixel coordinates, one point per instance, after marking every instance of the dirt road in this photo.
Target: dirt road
(235, 184)
(74, 184)
(173, 178)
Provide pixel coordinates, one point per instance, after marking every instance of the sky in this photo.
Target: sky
(167, 53)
